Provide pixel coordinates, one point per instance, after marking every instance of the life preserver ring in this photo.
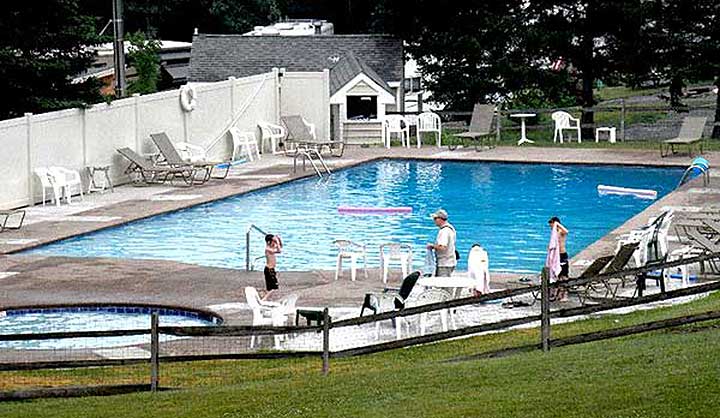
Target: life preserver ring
(188, 97)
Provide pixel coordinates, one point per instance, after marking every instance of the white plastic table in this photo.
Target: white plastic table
(523, 137)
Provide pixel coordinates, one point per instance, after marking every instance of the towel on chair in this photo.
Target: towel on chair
(552, 261)
(478, 268)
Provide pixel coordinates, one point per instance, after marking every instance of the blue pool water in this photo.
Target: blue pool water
(45, 320)
(504, 207)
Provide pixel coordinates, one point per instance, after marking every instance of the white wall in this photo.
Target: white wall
(307, 94)
(77, 138)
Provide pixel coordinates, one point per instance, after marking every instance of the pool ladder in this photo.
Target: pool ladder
(311, 154)
(249, 266)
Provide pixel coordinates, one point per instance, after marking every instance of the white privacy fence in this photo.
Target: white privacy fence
(79, 138)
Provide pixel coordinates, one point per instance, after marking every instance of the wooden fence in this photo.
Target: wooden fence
(544, 318)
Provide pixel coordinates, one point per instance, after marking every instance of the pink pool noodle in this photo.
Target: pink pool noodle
(349, 210)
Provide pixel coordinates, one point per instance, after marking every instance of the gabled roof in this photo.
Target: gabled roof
(217, 57)
(348, 68)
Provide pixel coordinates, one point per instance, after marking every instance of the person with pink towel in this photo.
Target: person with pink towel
(557, 257)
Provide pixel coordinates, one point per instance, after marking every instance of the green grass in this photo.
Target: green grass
(672, 373)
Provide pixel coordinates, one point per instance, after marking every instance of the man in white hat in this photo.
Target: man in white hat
(444, 246)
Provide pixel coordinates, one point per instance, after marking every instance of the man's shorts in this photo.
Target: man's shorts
(564, 266)
(271, 282)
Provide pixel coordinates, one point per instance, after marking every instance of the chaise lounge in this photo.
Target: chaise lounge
(149, 173)
(174, 159)
(690, 135)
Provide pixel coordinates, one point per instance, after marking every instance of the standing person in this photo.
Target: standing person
(444, 246)
(273, 246)
(561, 232)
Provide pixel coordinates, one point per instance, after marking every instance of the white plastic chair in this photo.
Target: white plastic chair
(265, 313)
(68, 180)
(272, 132)
(245, 141)
(429, 122)
(426, 297)
(191, 152)
(395, 252)
(645, 235)
(353, 251)
(47, 180)
(564, 122)
(396, 124)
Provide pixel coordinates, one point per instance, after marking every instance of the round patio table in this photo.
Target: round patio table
(523, 136)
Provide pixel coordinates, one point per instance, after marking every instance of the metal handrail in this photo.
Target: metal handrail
(251, 227)
(307, 153)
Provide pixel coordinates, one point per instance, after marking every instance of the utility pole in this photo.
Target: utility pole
(119, 49)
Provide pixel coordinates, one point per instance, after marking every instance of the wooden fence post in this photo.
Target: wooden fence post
(545, 310)
(154, 351)
(622, 119)
(326, 343)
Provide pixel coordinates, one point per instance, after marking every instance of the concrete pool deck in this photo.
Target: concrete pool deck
(63, 280)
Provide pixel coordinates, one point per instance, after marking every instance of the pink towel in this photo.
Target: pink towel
(552, 261)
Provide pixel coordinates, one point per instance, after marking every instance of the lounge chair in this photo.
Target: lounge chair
(690, 134)
(173, 158)
(11, 219)
(149, 173)
(618, 263)
(480, 127)
(302, 135)
(583, 291)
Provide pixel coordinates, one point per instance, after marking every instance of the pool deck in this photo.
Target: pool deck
(41, 280)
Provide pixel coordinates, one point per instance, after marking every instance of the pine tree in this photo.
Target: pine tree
(43, 47)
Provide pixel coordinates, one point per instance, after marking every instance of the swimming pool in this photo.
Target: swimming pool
(92, 318)
(504, 207)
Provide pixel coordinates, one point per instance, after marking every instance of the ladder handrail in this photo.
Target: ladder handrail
(307, 153)
(250, 228)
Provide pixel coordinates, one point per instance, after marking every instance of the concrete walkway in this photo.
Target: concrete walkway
(51, 280)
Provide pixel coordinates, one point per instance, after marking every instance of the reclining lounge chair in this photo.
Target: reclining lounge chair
(173, 158)
(303, 135)
(480, 127)
(149, 173)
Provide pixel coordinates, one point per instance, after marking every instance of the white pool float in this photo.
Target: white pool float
(626, 191)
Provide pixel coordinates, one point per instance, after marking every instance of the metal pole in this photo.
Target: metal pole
(498, 122)
(154, 351)
(326, 343)
(247, 250)
(622, 119)
(545, 311)
(119, 48)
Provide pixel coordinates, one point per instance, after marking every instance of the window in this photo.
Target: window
(361, 107)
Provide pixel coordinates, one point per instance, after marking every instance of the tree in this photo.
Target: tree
(143, 54)
(467, 51)
(43, 47)
(592, 36)
(685, 42)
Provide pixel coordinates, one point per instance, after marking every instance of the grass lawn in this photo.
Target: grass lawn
(674, 373)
